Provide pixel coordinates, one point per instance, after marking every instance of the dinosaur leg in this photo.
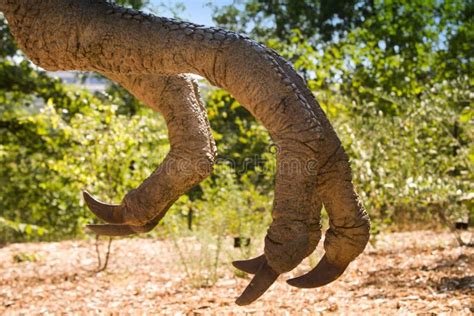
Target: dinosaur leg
(189, 161)
(349, 223)
(295, 230)
(314, 224)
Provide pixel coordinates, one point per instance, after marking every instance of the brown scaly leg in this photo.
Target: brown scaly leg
(189, 161)
(295, 230)
(251, 266)
(349, 223)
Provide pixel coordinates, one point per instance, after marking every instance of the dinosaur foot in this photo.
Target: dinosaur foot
(264, 277)
(324, 273)
(110, 213)
(250, 266)
(114, 215)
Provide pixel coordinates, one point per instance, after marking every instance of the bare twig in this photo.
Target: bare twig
(97, 250)
(101, 267)
(107, 255)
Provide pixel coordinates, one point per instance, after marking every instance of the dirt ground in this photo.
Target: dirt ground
(406, 273)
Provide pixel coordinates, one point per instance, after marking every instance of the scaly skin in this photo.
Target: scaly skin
(148, 56)
(193, 150)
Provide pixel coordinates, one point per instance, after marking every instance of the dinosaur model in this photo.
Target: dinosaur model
(150, 57)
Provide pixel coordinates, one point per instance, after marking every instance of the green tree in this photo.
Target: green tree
(399, 46)
(396, 83)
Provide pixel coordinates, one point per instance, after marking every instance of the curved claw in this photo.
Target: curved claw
(262, 280)
(324, 273)
(110, 213)
(249, 266)
(120, 230)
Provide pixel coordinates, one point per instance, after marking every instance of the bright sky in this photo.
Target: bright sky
(197, 11)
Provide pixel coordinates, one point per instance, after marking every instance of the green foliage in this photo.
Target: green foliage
(25, 257)
(269, 18)
(22, 228)
(135, 4)
(410, 165)
(241, 140)
(7, 46)
(50, 156)
(402, 47)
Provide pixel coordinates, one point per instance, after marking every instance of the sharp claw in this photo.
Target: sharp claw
(120, 230)
(324, 273)
(249, 266)
(110, 213)
(262, 280)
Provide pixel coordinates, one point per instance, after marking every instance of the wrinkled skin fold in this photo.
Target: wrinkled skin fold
(149, 56)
